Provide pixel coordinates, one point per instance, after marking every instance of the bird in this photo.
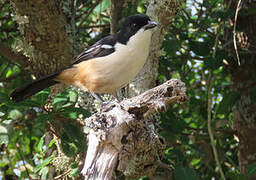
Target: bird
(105, 67)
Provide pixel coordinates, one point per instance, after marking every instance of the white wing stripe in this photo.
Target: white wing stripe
(91, 49)
(106, 46)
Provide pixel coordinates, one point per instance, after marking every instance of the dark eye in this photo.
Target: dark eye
(134, 25)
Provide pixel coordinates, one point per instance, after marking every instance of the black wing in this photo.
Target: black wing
(101, 48)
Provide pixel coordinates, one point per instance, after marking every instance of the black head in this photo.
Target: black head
(133, 24)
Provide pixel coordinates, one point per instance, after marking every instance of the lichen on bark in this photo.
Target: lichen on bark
(44, 29)
(123, 140)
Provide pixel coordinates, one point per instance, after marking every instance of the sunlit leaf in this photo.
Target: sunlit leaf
(43, 172)
(43, 164)
(73, 112)
(75, 171)
(41, 143)
(4, 139)
(15, 114)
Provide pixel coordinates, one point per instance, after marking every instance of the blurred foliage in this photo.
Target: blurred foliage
(191, 54)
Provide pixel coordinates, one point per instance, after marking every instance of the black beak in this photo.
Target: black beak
(150, 25)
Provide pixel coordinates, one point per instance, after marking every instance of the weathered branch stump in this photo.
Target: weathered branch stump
(122, 141)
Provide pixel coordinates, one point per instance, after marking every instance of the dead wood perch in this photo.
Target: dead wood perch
(121, 139)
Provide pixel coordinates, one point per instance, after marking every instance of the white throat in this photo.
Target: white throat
(134, 55)
(119, 68)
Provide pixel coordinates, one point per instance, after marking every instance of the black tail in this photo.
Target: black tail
(23, 92)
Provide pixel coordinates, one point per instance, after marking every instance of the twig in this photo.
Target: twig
(234, 31)
(88, 13)
(64, 174)
(210, 83)
(96, 26)
(23, 160)
(163, 165)
(12, 56)
(216, 40)
(226, 44)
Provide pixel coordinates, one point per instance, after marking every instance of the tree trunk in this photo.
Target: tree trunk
(47, 45)
(243, 77)
(46, 42)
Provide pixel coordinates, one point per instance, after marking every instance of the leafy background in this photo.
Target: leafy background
(190, 54)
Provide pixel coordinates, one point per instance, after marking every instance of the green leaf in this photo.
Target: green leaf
(215, 63)
(73, 96)
(67, 146)
(72, 139)
(171, 45)
(44, 118)
(102, 6)
(200, 48)
(15, 114)
(73, 112)
(75, 171)
(43, 164)
(23, 175)
(3, 68)
(42, 96)
(51, 143)
(212, 63)
(3, 162)
(25, 141)
(4, 97)
(235, 176)
(59, 102)
(4, 139)
(225, 15)
(43, 172)
(252, 169)
(75, 135)
(184, 173)
(227, 102)
(175, 154)
(171, 124)
(41, 143)
(26, 103)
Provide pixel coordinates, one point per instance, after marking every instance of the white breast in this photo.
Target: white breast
(118, 69)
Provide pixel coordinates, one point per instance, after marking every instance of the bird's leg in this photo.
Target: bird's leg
(115, 94)
(97, 96)
(127, 91)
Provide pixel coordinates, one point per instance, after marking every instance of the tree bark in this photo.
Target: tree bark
(46, 42)
(243, 77)
(16, 58)
(115, 14)
(122, 140)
